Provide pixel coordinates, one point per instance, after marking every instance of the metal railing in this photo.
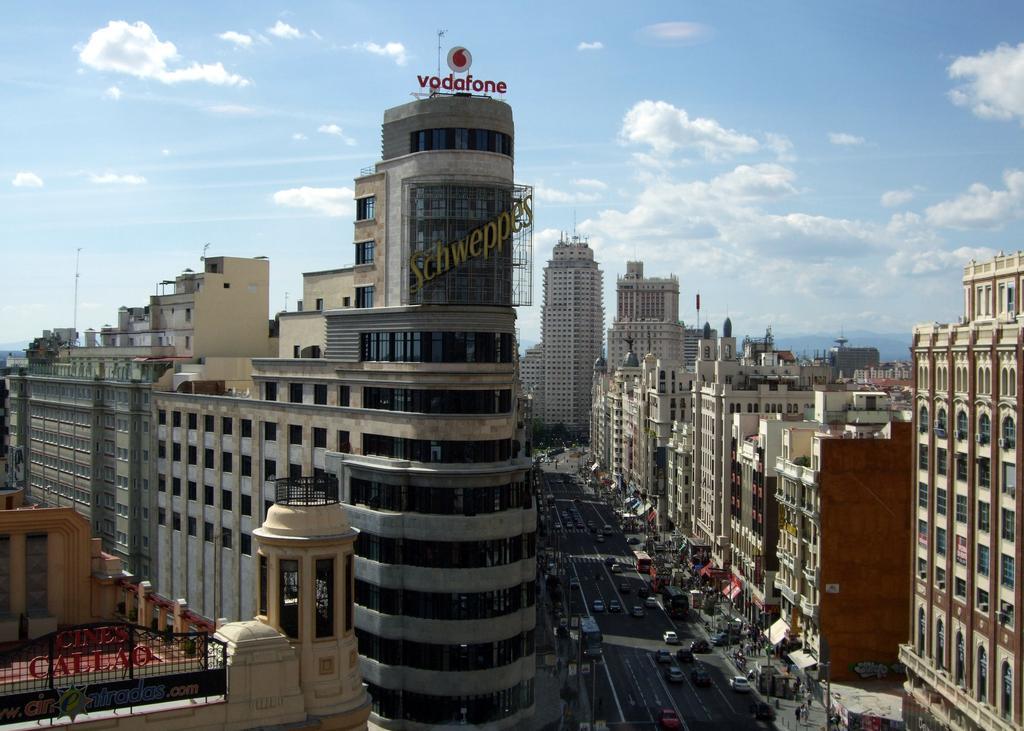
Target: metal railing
(315, 490)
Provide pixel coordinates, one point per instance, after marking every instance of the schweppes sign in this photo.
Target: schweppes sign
(483, 241)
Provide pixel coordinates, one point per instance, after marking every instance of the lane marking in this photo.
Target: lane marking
(671, 699)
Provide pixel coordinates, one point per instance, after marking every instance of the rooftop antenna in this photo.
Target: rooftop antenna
(203, 257)
(286, 301)
(440, 34)
(74, 326)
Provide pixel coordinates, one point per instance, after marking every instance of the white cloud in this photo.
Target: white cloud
(590, 183)
(326, 201)
(551, 195)
(982, 207)
(677, 33)
(781, 145)
(133, 48)
(298, 137)
(239, 39)
(112, 93)
(893, 198)
(25, 179)
(165, 152)
(590, 46)
(115, 179)
(335, 131)
(285, 31)
(993, 85)
(667, 128)
(844, 138)
(316, 35)
(233, 110)
(932, 261)
(391, 49)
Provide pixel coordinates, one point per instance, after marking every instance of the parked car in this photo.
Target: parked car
(625, 588)
(651, 602)
(670, 637)
(598, 605)
(663, 656)
(739, 684)
(616, 568)
(669, 719)
(673, 674)
(700, 646)
(700, 677)
(762, 711)
(720, 639)
(614, 606)
(637, 611)
(685, 654)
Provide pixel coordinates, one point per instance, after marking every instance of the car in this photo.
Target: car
(614, 606)
(608, 530)
(685, 654)
(637, 611)
(670, 637)
(739, 683)
(598, 605)
(610, 560)
(643, 591)
(762, 711)
(663, 657)
(651, 602)
(674, 674)
(700, 677)
(625, 588)
(669, 719)
(720, 639)
(633, 541)
(574, 583)
(616, 568)
(600, 538)
(699, 646)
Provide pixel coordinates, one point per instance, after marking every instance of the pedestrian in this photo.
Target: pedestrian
(798, 714)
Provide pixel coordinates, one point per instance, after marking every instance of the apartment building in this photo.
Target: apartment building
(844, 509)
(679, 487)
(413, 406)
(846, 360)
(757, 379)
(531, 376)
(82, 416)
(647, 314)
(572, 332)
(965, 649)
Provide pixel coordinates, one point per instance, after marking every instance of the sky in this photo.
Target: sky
(806, 166)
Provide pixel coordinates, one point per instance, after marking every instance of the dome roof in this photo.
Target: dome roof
(727, 328)
(707, 330)
(630, 360)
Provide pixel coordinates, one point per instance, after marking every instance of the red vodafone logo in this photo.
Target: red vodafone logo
(459, 59)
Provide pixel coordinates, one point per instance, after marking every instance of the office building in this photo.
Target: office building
(846, 360)
(965, 649)
(410, 399)
(572, 332)
(647, 314)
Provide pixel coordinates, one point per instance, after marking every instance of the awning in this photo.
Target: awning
(708, 569)
(802, 659)
(731, 591)
(652, 515)
(632, 504)
(778, 631)
(595, 467)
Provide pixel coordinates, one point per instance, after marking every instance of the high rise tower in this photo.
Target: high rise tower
(647, 310)
(572, 330)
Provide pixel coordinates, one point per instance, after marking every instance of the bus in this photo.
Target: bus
(643, 562)
(590, 637)
(677, 601)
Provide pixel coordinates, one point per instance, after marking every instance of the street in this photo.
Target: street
(629, 686)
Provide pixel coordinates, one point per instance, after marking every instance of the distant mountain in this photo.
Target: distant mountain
(15, 347)
(891, 346)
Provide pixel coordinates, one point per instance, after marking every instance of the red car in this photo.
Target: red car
(667, 718)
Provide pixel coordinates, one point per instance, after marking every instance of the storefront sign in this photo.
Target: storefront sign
(97, 667)
(961, 550)
(459, 61)
(480, 242)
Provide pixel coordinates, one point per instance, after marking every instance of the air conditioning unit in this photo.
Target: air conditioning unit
(1002, 443)
(941, 585)
(983, 607)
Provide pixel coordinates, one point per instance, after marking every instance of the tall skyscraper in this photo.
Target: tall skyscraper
(963, 658)
(572, 331)
(647, 311)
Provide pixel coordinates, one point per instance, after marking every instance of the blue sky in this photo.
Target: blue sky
(808, 166)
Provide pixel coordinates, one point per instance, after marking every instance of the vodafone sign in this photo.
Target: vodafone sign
(459, 61)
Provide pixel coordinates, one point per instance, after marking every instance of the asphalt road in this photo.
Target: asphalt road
(629, 686)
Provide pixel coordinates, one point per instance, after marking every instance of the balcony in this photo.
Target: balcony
(812, 575)
(796, 472)
(810, 609)
(317, 490)
(784, 589)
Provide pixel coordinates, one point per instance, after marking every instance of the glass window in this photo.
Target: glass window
(1006, 577)
(263, 585)
(983, 516)
(940, 501)
(1008, 524)
(983, 559)
(365, 208)
(364, 297)
(364, 252)
(1009, 433)
(320, 393)
(289, 597)
(961, 508)
(323, 592)
(37, 601)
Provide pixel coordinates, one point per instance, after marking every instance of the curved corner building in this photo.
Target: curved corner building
(435, 472)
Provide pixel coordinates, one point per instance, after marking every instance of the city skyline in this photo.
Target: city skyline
(780, 161)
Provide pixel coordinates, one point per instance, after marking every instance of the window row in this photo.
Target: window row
(227, 423)
(460, 138)
(445, 605)
(427, 450)
(1007, 433)
(451, 710)
(439, 401)
(446, 554)
(436, 347)
(440, 500)
(445, 658)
